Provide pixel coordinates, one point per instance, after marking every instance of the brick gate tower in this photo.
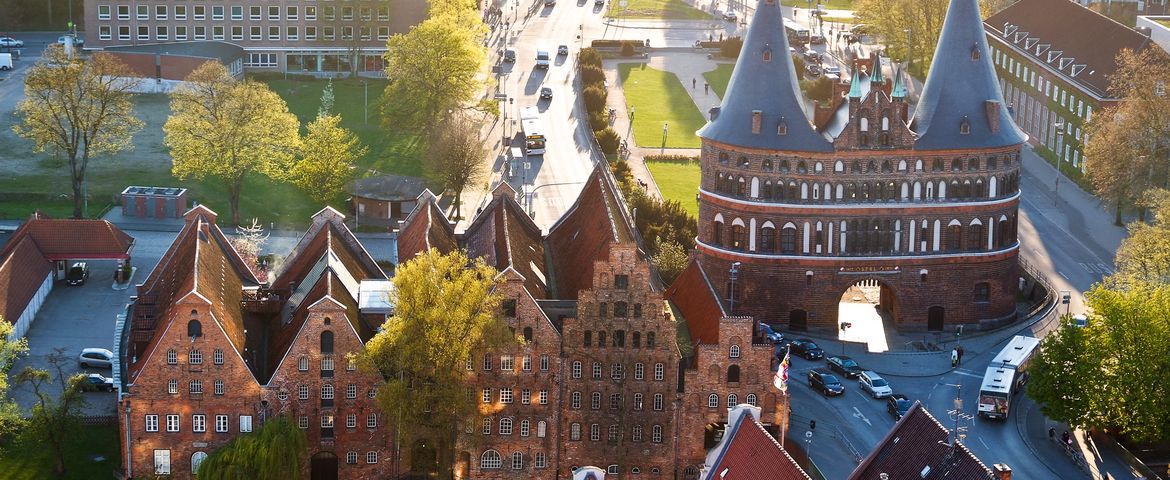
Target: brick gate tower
(919, 201)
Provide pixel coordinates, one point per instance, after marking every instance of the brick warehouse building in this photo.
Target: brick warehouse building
(922, 205)
(610, 371)
(298, 36)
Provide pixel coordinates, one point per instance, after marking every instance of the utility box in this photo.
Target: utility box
(154, 202)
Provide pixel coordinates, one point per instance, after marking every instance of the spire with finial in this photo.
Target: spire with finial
(875, 77)
(898, 91)
(763, 92)
(855, 84)
(962, 85)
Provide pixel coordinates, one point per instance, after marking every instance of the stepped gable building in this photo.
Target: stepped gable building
(209, 352)
(918, 446)
(748, 451)
(601, 378)
(924, 205)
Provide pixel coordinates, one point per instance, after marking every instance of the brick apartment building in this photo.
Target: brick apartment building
(616, 355)
(924, 206)
(1052, 74)
(298, 36)
(210, 352)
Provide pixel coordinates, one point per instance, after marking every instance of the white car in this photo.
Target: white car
(96, 357)
(877, 386)
(77, 41)
(11, 42)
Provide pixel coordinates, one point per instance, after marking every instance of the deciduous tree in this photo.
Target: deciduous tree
(271, 453)
(55, 418)
(228, 129)
(1145, 254)
(326, 159)
(445, 310)
(11, 419)
(80, 108)
(455, 155)
(433, 69)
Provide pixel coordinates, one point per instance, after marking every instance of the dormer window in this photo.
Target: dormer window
(757, 120)
(975, 52)
(965, 127)
(782, 128)
(767, 54)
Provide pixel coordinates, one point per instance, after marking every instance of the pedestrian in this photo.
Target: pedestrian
(720, 36)
(960, 350)
(954, 358)
(706, 88)
(693, 80)
(812, 424)
(710, 37)
(1051, 433)
(1066, 438)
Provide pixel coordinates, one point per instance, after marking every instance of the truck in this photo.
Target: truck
(1006, 375)
(5, 61)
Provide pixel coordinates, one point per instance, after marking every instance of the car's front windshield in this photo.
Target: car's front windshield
(879, 383)
(847, 363)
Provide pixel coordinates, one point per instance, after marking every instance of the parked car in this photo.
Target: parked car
(811, 55)
(11, 42)
(730, 16)
(509, 55)
(831, 70)
(77, 41)
(772, 335)
(100, 382)
(562, 50)
(550, 3)
(825, 382)
(78, 274)
(816, 39)
(897, 405)
(813, 70)
(599, 3)
(543, 59)
(96, 357)
(874, 384)
(845, 366)
(806, 348)
(546, 92)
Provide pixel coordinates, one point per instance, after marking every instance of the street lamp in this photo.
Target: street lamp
(1060, 126)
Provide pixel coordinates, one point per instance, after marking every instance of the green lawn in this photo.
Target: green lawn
(34, 462)
(827, 4)
(666, 9)
(719, 77)
(658, 97)
(677, 181)
(262, 198)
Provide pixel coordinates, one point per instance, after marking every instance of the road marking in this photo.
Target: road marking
(1062, 275)
(960, 372)
(857, 414)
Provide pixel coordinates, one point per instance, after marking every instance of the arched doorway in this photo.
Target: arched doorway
(323, 466)
(935, 317)
(424, 458)
(865, 309)
(798, 320)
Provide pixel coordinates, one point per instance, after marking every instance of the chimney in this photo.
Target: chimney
(992, 108)
(1003, 472)
(757, 120)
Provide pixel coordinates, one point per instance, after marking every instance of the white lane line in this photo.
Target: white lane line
(984, 443)
(857, 414)
(1062, 275)
(960, 372)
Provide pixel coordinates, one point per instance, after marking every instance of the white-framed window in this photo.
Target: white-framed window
(543, 397)
(383, 33)
(544, 363)
(372, 392)
(327, 33)
(636, 433)
(217, 33)
(507, 363)
(658, 402)
(172, 357)
(525, 428)
(197, 459)
(219, 387)
(198, 12)
(237, 12)
(576, 369)
(274, 33)
(200, 32)
(712, 401)
(103, 12)
(310, 13)
(487, 426)
(351, 420)
(143, 12)
(255, 33)
(505, 395)
(541, 428)
(616, 371)
(152, 423)
(217, 12)
(172, 423)
(291, 33)
(302, 392)
(505, 426)
(173, 386)
(143, 32)
(656, 434)
(351, 391)
(575, 400)
(659, 371)
(526, 363)
(751, 399)
(538, 460)
(346, 33)
(575, 431)
(487, 361)
(383, 13)
(734, 353)
(123, 32)
(366, 13)
(597, 370)
(237, 32)
(196, 387)
(221, 423)
(123, 12)
(217, 355)
(517, 461)
(595, 432)
(487, 395)
(595, 401)
(245, 423)
(274, 12)
(351, 458)
(490, 460)
(311, 34)
(347, 13)
(303, 422)
(326, 392)
(198, 423)
(254, 12)
(372, 420)
(732, 400)
(639, 371)
(638, 398)
(104, 32)
(371, 457)
(162, 462)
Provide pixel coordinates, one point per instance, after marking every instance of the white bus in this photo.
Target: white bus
(533, 130)
(1006, 375)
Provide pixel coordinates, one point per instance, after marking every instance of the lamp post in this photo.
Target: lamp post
(734, 275)
(1060, 126)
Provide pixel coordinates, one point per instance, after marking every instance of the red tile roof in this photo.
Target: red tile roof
(918, 443)
(504, 236)
(74, 239)
(750, 453)
(22, 272)
(698, 303)
(425, 228)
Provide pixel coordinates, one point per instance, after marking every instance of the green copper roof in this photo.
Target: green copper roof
(899, 89)
(855, 84)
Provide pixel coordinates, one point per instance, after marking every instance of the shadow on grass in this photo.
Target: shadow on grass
(91, 454)
(659, 99)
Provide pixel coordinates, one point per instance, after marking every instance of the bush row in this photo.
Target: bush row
(671, 158)
(595, 94)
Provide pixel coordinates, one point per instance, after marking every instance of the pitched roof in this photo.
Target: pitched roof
(425, 228)
(388, 187)
(764, 80)
(698, 303)
(1041, 28)
(328, 232)
(749, 452)
(73, 239)
(22, 271)
(585, 232)
(504, 236)
(917, 447)
(962, 89)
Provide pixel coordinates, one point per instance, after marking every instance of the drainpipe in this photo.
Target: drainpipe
(129, 450)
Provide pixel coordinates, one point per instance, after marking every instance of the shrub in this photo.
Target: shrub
(798, 64)
(670, 158)
(589, 56)
(615, 43)
(730, 47)
(592, 75)
(627, 48)
(820, 89)
(598, 121)
(595, 97)
(609, 140)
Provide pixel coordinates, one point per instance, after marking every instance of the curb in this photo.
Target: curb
(126, 286)
(1021, 430)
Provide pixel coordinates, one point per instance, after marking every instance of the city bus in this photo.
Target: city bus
(1006, 375)
(533, 130)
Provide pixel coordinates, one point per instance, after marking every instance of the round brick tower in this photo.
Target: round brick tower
(922, 206)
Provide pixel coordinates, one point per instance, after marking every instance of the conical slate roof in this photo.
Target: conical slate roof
(764, 81)
(961, 88)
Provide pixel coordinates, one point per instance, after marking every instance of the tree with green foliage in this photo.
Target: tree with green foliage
(229, 129)
(455, 155)
(446, 309)
(433, 69)
(11, 419)
(274, 452)
(1145, 254)
(670, 260)
(327, 158)
(55, 418)
(78, 107)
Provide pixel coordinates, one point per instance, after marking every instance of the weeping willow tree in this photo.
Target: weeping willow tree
(271, 453)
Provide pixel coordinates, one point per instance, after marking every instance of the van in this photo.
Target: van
(509, 55)
(542, 59)
(6, 61)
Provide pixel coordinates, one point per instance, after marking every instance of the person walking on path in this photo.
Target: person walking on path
(706, 88)
(693, 82)
(954, 358)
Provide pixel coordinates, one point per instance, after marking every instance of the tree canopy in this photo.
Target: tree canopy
(54, 418)
(326, 159)
(11, 418)
(229, 129)
(78, 108)
(910, 28)
(455, 155)
(446, 308)
(274, 452)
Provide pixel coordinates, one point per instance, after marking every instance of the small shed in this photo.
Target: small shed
(154, 202)
(384, 200)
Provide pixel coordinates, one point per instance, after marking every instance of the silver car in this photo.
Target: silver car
(874, 384)
(11, 42)
(96, 357)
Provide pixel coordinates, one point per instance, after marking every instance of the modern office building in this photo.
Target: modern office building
(296, 36)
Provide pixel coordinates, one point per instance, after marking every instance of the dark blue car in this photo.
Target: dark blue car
(807, 349)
